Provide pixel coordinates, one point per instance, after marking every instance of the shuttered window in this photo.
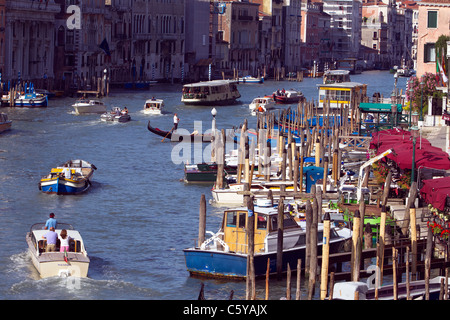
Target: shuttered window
(432, 19)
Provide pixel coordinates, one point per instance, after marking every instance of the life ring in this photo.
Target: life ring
(32, 102)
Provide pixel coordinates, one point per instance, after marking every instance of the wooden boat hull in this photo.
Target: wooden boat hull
(175, 137)
(219, 264)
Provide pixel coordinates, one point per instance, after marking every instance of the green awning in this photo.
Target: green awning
(378, 107)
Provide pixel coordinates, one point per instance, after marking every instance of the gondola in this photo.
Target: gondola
(175, 137)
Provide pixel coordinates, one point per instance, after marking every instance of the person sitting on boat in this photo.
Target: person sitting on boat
(51, 222)
(261, 109)
(65, 240)
(124, 110)
(51, 236)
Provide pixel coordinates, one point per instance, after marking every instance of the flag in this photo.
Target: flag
(66, 257)
(105, 47)
(440, 69)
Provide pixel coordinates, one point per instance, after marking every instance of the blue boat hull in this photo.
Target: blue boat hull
(59, 186)
(219, 264)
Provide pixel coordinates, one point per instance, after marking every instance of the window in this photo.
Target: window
(432, 19)
(231, 219)
(429, 54)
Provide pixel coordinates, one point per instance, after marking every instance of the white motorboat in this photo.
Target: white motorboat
(262, 104)
(153, 106)
(53, 264)
(84, 106)
(116, 115)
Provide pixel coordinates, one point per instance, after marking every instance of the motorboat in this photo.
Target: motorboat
(5, 123)
(336, 76)
(72, 177)
(205, 172)
(74, 263)
(215, 92)
(287, 96)
(250, 79)
(153, 106)
(117, 115)
(261, 104)
(30, 100)
(224, 253)
(84, 106)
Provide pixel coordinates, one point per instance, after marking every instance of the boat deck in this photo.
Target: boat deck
(59, 256)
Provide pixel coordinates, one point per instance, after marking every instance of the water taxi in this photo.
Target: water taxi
(116, 115)
(342, 94)
(74, 263)
(72, 177)
(250, 79)
(262, 104)
(5, 124)
(224, 254)
(287, 96)
(153, 106)
(216, 92)
(84, 106)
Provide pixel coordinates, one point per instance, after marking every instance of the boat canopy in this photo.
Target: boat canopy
(378, 107)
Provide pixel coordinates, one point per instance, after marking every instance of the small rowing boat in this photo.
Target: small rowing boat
(177, 136)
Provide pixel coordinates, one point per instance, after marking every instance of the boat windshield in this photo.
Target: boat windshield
(288, 222)
(60, 225)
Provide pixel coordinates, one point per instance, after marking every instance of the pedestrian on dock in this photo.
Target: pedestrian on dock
(51, 222)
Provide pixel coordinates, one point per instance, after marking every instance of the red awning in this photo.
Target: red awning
(436, 191)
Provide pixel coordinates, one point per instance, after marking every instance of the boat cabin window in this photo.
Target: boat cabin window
(231, 219)
(287, 223)
(242, 219)
(261, 222)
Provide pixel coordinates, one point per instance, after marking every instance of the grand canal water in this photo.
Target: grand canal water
(138, 216)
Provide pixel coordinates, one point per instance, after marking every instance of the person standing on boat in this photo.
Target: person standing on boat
(51, 222)
(51, 238)
(65, 239)
(175, 122)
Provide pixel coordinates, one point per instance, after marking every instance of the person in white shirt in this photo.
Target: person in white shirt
(65, 239)
(175, 122)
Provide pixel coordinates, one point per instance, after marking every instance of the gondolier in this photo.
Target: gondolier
(175, 122)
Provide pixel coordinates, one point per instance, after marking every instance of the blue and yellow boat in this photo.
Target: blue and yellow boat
(224, 254)
(72, 177)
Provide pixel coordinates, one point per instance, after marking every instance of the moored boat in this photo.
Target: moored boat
(72, 177)
(224, 254)
(153, 106)
(30, 100)
(5, 123)
(84, 106)
(205, 172)
(74, 262)
(215, 92)
(116, 115)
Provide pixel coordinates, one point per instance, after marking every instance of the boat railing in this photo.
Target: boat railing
(216, 238)
(41, 226)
